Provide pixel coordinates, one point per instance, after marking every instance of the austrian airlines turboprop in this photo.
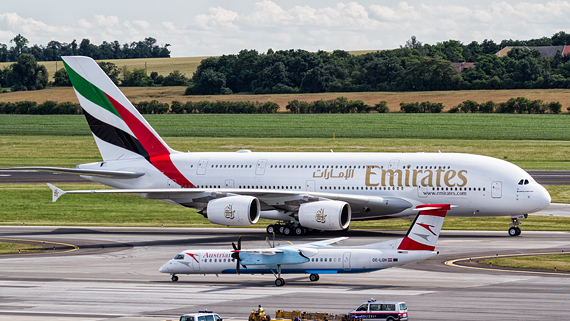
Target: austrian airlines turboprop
(317, 257)
(303, 191)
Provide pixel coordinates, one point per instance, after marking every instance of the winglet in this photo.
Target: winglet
(424, 232)
(56, 192)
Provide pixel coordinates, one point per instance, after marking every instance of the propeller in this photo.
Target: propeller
(235, 254)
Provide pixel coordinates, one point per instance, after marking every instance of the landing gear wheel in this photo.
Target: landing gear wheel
(174, 278)
(314, 277)
(514, 231)
(286, 230)
(281, 228)
(279, 282)
(270, 229)
(299, 230)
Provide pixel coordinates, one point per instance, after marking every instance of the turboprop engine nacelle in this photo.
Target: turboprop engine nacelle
(234, 210)
(325, 215)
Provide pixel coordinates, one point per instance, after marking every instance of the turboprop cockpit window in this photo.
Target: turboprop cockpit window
(179, 257)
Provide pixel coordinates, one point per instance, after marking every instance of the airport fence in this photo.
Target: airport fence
(309, 133)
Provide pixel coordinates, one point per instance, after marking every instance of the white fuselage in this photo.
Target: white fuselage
(323, 261)
(475, 185)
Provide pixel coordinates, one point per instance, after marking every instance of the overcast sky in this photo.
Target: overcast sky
(205, 28)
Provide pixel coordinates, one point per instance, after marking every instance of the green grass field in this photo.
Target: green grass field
(390, 125)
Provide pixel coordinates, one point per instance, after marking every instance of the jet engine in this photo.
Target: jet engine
(233, 210)
(325, 215)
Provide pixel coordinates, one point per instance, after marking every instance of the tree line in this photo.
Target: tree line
(27, 74)
(53, 50)
(519, 105)
(412, 67)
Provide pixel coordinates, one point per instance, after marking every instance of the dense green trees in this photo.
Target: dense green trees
(53, 51)
(26, 74)
(413, 67)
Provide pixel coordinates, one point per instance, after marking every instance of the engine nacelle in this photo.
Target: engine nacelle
(234, 210)
(325, 215)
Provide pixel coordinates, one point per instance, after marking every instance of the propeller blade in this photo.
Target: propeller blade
(234, 246)
(239, 243)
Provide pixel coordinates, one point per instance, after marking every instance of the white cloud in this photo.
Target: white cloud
(218, 18)
(263, 24)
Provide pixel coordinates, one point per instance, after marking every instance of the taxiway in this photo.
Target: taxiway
(105, 273)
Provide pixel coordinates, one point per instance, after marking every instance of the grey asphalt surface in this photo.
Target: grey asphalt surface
(113, 275)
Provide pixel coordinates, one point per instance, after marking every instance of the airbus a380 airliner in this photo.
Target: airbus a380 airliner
(322, 191)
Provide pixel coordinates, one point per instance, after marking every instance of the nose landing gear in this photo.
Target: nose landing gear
(515, 230)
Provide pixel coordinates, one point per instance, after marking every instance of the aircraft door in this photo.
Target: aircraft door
(260, 168)
(229, 183)
(422, 191)
(346, 261)
(172, 184)
(202, 166)
(394, 164)
(196, 262)
(496, 189)
(310, 186)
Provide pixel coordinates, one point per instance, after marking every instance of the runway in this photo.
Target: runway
(100, 273)
(23, 176)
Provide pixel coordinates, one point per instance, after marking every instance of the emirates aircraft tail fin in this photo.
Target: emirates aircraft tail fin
(119, 129)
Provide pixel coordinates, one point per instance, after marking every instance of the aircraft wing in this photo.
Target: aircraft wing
(270, 251)
(86, 172)
(327, 242)
(287, 201)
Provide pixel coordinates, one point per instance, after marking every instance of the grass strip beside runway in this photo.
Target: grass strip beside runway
(542, 262)
(31, 204)
(12, 248)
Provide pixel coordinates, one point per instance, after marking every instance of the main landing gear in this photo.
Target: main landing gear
(515, 230)
(288, 229)
(279, 281)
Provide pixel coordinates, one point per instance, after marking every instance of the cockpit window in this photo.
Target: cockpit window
(524, 181)
(179, 257)
(521, 182)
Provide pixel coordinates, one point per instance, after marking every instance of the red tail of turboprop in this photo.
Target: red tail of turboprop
(424, 232)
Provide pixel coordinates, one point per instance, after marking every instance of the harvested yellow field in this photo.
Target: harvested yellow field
(163, 66)
(447, 98)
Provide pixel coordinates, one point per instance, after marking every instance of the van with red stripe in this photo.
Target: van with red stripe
(385, 310)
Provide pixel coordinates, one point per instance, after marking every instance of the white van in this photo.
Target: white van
(373, 310)
(201, 316)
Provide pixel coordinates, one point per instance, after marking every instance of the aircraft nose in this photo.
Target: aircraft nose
(543, 198)
(165, 268)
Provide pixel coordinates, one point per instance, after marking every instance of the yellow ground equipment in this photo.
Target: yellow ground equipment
(259, 316)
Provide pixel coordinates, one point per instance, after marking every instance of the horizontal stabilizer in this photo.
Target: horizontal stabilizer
(86, 172)
(56, 192)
